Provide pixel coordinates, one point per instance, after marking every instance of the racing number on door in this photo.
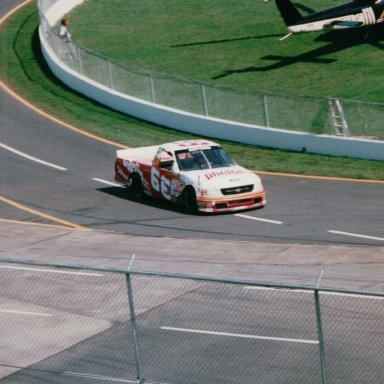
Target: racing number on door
(160, 183)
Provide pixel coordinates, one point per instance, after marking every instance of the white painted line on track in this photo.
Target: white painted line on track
(51, 271)
(97, 377)
(12, 312)
(35, 159)
(202, 332)
(357, 235)
(354, 295)
(107, 182)
(279, 289)
(257, 218)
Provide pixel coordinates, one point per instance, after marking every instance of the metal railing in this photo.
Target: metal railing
(78, 324)
(284, 111)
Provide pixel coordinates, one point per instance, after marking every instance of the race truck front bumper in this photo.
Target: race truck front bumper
(231, 203)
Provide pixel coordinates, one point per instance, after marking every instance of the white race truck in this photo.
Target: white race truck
(196, 173)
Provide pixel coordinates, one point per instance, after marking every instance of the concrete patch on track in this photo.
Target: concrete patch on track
(113, 250)
(207, 257)
(30, 333)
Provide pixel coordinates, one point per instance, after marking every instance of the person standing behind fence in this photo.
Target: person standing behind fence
(66, 36)
(64, 31)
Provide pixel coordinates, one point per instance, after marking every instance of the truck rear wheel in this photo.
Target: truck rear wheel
(189, 199)
(137, 189)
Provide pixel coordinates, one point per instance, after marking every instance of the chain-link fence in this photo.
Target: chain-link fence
(63, 324)
(284, 111)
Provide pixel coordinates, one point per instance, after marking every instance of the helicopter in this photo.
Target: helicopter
(357, 13)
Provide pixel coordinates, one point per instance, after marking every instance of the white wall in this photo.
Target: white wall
(197, 124)
(60, 9)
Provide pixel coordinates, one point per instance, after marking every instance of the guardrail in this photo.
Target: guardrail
(259, 118)
(80, 324)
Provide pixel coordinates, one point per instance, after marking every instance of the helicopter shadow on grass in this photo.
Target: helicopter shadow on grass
(221, 41)
(337, 41)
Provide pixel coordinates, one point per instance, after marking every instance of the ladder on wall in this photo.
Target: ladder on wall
(337, 118)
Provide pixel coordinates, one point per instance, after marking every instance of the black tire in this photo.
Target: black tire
(189, 199)
(137, 189)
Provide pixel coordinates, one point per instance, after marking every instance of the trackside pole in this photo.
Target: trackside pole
(320, 332)
(152, 85)
(204, 96)
(80, 63)
(110, 74)
(133, 324)
(266, 111)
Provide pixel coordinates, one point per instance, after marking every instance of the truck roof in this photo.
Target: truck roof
(188, 144)
(146, 154)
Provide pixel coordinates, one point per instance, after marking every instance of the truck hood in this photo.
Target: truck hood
(223, 177)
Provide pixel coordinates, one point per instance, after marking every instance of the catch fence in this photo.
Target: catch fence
(77, 324)
(285, 111)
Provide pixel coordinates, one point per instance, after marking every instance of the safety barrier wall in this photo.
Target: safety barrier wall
(213, 111)
(80, 324)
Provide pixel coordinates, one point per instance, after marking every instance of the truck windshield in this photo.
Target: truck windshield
(214, 157)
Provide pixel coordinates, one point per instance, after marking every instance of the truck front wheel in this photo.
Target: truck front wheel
(189, 199)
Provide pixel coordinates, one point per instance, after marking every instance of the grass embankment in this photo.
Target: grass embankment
(234, 43)
(24, 69)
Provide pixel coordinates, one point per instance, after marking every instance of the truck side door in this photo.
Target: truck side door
(162, 175)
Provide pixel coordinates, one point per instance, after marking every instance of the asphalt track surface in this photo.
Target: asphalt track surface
(59, 204)
(69, 176)
(66, 175)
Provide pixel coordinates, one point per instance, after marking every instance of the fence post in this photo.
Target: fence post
(135, 337)
(153, 97)
(320, 332)
(266, 111)
(204, 96)
(110, 74)
(80, 62)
